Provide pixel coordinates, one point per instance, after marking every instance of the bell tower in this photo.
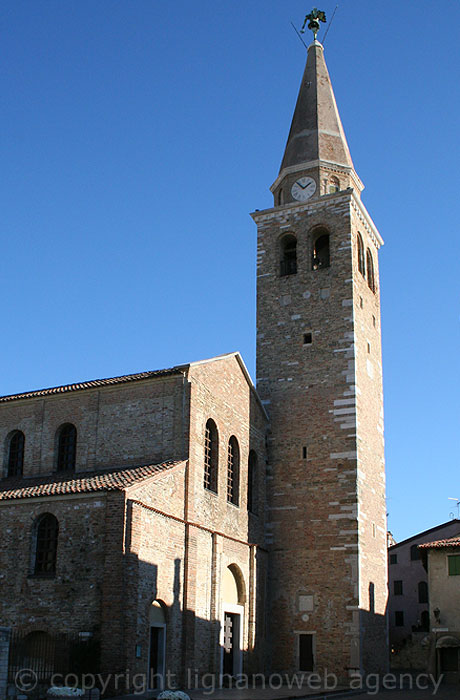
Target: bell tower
(319, 375)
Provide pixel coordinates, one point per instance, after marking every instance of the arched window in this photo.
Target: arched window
(211, 452)
(252, 481)
(361, 263)
(321, 256)
(233, 471)
(370, 271)
(16, 453)
(47, 530)
(423, 592)
(334, 184)
(288, 264)
(66, 447)
(280, 197)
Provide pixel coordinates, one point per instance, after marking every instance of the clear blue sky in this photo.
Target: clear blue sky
(137, 135)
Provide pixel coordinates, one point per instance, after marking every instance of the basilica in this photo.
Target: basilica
(188, 518)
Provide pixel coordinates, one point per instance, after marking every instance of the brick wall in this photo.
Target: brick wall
(317, 483)
(130, 424)
(70, 601)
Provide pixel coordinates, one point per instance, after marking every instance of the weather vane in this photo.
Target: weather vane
(314, 18)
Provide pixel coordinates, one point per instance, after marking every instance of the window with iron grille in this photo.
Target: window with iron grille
(47, 530)
(211, 452)
(67, 447)
(252, 481)
(233, 471)
(16, 453)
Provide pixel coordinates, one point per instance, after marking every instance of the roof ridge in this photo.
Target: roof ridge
(93, 383)
(57, 484)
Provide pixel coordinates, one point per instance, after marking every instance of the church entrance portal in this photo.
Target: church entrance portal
(231, 645)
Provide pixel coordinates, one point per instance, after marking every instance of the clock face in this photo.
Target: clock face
(303, 188)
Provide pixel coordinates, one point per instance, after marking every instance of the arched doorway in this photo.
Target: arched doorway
(157, 645)
(231, 640)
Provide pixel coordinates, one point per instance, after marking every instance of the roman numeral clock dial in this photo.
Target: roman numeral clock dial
(303, 189)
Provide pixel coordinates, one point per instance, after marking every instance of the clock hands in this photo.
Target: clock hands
(309, 184)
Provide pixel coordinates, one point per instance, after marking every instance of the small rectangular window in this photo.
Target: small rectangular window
(393, 558)
(398, 587)
(307, 339)
(373, 321)
(454, 564)
(361, 303)
(304, 452)
(399, 618)
(368, 348)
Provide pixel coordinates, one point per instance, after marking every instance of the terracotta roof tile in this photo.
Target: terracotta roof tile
(94, 383)
(440, 544)
(72, 483)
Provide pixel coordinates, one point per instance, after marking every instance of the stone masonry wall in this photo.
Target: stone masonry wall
(309, 392)
(373, 589)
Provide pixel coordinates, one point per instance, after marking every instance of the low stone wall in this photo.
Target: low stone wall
(5, 635)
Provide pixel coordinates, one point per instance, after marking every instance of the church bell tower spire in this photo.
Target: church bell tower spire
(316, 145)
(319, 376)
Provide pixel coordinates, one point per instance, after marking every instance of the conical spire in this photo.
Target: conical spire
(316, 131)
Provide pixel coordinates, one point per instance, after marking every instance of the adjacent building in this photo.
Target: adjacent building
(442, 561)
(409, 589)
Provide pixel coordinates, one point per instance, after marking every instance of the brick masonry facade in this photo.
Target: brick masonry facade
(326, 487)
(164, 538)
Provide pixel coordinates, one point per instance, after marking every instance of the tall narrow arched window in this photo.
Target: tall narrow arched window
(288, 251)
(211, 452)
(233, 471)
(361, 263)
(423, 592)
(66, 447)
(16, 453)
(280, 197)
(47, 530)
(321, 256)
(370, 270)
(252, 482)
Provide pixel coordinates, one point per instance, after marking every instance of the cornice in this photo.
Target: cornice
(366, 220)
(349, 195)
(291, 169)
